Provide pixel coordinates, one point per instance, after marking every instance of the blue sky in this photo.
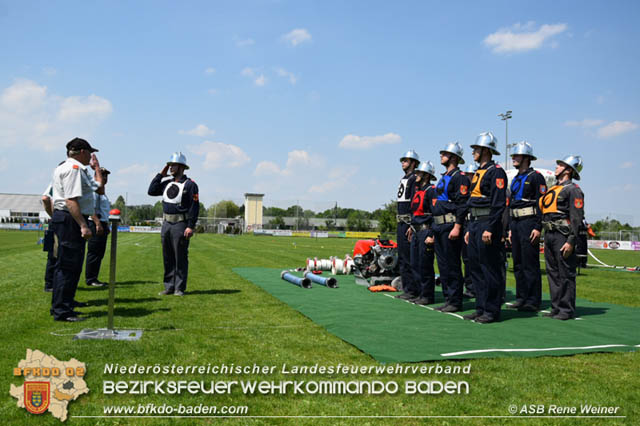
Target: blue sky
(316, 101)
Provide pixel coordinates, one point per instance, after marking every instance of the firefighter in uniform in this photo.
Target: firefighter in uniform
(486, 208)
(449, 209)
(410, 160)
(562, 209)
(525, 225)
(180, 206)
(421, 236)
(73, 189)
(469, 293)
(99, 224)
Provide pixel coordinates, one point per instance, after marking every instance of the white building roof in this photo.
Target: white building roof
(29, 203)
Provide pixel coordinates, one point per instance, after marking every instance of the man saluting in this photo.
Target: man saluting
(180, 207)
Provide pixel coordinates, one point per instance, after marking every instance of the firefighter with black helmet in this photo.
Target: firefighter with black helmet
(449, 210)
(180, 207)
(525, 225)
(562, 209)
(409, 161)
(486, 203)
(420, 235)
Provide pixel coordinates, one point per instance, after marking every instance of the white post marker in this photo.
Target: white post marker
(110, 333)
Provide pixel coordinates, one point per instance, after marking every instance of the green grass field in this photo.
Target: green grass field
(225, 319)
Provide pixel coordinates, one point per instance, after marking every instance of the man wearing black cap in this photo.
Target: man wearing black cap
(73, 203)
(99, 225)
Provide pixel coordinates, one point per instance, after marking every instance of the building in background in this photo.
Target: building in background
(16, 208)
(252, 211)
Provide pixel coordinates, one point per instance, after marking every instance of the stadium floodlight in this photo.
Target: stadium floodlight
(505, 117)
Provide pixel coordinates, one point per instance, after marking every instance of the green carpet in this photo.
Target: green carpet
(392, 330)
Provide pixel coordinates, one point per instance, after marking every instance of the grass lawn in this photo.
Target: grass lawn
(225, 319)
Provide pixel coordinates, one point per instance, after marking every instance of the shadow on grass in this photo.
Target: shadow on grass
(221, 291)
(127, 312)
(103, 302)
(135, 282)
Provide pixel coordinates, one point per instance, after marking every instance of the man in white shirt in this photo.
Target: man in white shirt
(73, 203)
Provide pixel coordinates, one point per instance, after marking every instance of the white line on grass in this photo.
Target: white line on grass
(567, 348)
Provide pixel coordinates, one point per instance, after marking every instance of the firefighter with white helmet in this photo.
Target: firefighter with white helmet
(525, 225)
(449, 209)
(486, 203)
(409, 161)
(421, 236)
(562, 209)
(180, 207)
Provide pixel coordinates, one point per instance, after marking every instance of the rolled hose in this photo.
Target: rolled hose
(300, 282)
(327, 282)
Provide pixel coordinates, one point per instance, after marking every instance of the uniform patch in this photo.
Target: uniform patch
(434, 201)
(579, 203)
(500, 183)
(195, 197)
(543, 189)
(463, 189)
(75, 166)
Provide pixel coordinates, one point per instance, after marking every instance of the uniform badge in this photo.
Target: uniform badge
(579, 203)
(500, 183)
(75, 166)
(463, 189)
(36, 396)
(434, 201)
(195, 197)
(543, 189)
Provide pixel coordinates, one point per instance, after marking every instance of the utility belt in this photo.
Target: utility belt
(560, 225)
(523, 212)
(422, 227)
(174, 218)
(478, 213)
(445, 218)
(403, 218)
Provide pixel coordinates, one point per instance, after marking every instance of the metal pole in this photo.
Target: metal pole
(112, 270)
(506, 141)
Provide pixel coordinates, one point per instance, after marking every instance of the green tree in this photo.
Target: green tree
(277, 222)
(224, 208)
(386, 218)
(356, 221)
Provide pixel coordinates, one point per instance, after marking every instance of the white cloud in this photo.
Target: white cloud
(245, 42)
(218, 154)
(260, 81)
(287, 74)
(296, 37)
(200, 130)
(338, 179)
(584, 123)
(521, 38)
(248, 71)
(616, 128)
(210, 71)
(133, 170)
(296, 159)
(81, 108)
(365, 142)
(626, 165)
(33, 117)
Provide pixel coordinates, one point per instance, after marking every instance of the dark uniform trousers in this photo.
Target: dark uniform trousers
(561, 274)
(49, 270)
(486, 263)
(175, 253)
(95, 252)
(404, 259)
(526, 262)
(448, 256)
(422, 266)
(68, 266)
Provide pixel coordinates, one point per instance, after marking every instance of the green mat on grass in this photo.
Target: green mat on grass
(392, 330)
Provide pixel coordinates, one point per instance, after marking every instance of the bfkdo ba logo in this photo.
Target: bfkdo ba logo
(37, 396)
(49, 385)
